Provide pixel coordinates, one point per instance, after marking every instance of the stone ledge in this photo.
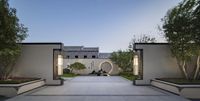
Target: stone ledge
(188, 91)
(10, 90)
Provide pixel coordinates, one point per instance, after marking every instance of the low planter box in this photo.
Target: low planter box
(10, 90)
(186, 90)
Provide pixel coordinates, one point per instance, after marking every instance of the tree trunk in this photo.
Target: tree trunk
(182, 68)
(197, 68)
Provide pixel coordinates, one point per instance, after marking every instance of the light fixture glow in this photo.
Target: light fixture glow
(136, 65)
(60, 64)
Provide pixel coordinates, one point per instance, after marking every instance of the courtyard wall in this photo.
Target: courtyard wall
(37, 60)
(91, 64)
(157, 62)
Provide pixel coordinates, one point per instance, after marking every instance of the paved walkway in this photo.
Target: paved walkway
(86, 88)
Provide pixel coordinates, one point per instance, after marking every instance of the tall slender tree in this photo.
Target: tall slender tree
(196, 36)
(11, 34)
(182, 34)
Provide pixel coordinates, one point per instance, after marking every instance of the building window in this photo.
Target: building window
(68, 56)
(93, 56)
(85, 56)
(76, 56)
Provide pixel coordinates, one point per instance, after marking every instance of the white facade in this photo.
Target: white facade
(39, 60)
(93, 64)
(156, 61)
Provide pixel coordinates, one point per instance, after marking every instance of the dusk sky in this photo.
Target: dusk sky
(107, 24)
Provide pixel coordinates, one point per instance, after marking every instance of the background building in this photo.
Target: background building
(91, 58)
(81, 52)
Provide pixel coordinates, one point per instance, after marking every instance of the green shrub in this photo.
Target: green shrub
(77, 66)
(128, 75)
(69, 75)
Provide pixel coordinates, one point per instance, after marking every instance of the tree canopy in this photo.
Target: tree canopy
(11, 34)
(124, 58)
(142, 39)
(181, 29)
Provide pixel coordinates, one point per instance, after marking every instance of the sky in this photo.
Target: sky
(107, 24)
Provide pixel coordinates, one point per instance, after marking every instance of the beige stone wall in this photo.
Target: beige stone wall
(157, 63)
(36, 61)
(92, 64)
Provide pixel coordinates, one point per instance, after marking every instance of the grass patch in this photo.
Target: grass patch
(180, 81)
(17, 80)
(69, 75)
(128, 75)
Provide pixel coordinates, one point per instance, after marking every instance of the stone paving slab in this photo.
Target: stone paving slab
(97, 98)
(98, 86)
(94, 88)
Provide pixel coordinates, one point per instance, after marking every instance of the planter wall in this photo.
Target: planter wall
(10, 90)
(188, 91)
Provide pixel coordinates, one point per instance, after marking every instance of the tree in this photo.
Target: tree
(11, 34)
(142, 39)
(182, 32)
(196, 36)
(77, 66)
(122, 59)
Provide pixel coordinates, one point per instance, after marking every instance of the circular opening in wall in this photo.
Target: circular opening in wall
(106, 66)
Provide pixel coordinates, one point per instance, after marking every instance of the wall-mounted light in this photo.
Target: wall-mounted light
(60, 64)
(136, 64)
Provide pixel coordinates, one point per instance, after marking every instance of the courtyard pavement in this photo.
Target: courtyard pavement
(94, 88)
